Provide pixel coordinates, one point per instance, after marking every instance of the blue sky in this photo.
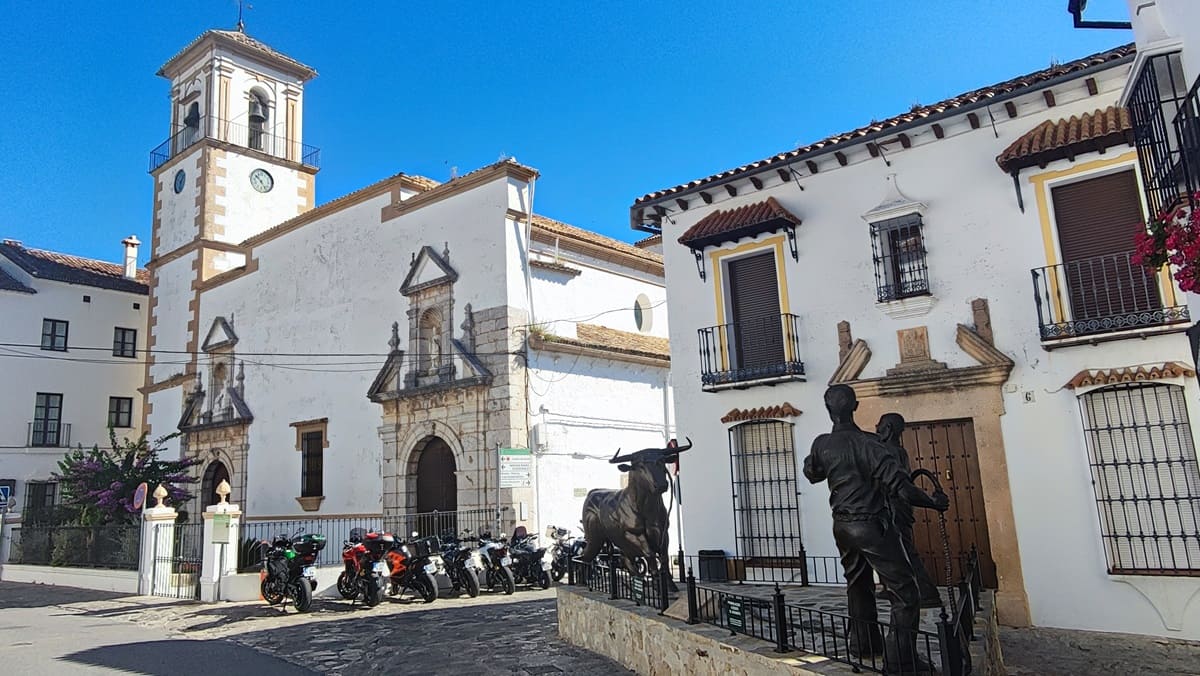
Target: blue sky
(607, 100)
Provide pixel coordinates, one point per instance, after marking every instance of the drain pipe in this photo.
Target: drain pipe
(536, 478)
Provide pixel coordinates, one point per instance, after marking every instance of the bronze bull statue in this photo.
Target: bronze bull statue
(633, 519)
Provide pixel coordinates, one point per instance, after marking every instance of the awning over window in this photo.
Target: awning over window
(745, 221)
(1068, 137)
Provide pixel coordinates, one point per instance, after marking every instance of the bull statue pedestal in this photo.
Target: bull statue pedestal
(633, 519)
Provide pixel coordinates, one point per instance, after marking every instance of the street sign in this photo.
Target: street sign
(516, 468)
(639, 590)
(5, 494)
(220, 530)
(735, 614)
(139, 495)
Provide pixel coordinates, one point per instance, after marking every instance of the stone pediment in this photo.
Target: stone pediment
(389, 382)
(428, 269)
(220, 335)
(229, 408)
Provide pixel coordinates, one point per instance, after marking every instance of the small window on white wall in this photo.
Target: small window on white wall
(643, 313)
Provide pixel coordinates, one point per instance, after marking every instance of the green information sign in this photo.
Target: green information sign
(516, 468)
(735, 614)
(220, 530)
(639, 591)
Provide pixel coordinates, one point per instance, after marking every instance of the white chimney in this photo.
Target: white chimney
(131, 252)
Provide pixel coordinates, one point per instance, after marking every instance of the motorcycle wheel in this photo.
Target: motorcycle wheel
(346, 586)
(543, 580)
(557, 572)
(428, 588)
(301, 596)
(507, 583)
(471, 582)
(370, 593)
(269, 593)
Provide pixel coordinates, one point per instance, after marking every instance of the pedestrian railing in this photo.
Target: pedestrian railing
(607, 575)
(113, 546)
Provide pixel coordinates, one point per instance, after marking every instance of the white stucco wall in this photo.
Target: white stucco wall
(246, 211)
(583, 409)
(331, 287)
(177, 214)
(602, 294)
(85, 378)
(173, 292)
(980, 245)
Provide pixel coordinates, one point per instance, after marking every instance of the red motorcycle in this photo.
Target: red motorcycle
(363, 565)
(413, 565)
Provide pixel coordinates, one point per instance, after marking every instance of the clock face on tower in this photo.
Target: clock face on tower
(179, 178)
(261, 180)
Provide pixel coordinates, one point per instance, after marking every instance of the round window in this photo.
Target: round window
(642, 315)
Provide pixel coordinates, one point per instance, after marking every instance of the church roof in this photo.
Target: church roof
(242, 42)
(60, 267)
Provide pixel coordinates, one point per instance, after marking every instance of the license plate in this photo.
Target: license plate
(309, 571)
(382, 568)
(431, 568)
(506, 561)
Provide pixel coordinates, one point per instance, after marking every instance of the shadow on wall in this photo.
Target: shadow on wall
(182, 658)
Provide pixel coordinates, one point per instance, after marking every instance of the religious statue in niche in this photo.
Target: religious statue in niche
(864, 478)
(223, 402)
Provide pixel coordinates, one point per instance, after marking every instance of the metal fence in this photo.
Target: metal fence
(605, 574)
(178, 560)
(801, 569)
(111, 546)
(425, 524)
(264, 139)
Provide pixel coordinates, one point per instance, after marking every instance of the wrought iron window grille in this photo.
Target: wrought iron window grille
(1159, 108)
(898, 252)
(758, 349)
(766, 503)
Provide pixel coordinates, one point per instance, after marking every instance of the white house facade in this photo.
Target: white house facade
(378, 354)
(71, 355)
(968, 265)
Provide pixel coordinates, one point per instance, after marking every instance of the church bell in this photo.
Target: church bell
(258, 112)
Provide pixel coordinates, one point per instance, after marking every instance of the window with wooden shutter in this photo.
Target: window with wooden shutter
(1097, 219)
(754, 307)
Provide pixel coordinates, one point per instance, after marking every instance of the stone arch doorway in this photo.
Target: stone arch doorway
(437, 487)
(214, 474)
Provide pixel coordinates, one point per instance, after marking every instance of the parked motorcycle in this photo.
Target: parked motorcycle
(363, 565)
(412, 566)
(493, 554)
(565, 548)
(463, 562)
(288, 566)
(530, 564)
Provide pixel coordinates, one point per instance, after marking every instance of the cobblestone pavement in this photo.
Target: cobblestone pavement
(491, 634)
(1062, 652)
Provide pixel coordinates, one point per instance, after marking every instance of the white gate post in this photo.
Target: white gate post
(220, 560)
(157, 543)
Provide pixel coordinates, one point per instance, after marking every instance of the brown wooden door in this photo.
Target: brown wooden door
(437, 489)
(1097, 220)
(947, 448)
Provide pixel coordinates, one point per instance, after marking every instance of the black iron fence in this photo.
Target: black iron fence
(484, 520)
(1100, 295)
(801, 569)
(112, 546)
(1187, 131)
(864, 646)
(756, 349)
(263, 139)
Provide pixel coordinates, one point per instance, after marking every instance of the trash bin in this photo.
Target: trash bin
(712, 565)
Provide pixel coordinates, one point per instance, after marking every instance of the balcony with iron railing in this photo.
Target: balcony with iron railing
(1187, 132)
(47, 434)
(263, 140)
(759, 351)
(1101, 297)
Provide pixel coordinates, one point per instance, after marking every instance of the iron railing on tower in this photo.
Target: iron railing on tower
(263, 139)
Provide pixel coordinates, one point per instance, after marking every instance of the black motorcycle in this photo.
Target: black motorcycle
(530, 564)
(565, 548)
(463, 563)
(288, 564)
(493, 555)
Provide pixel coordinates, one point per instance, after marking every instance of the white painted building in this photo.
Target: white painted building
(372, 355)
(965, 264)
(70, 359)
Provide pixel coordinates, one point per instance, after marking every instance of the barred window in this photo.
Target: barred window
(765, 503)
(898, 249)
(1145, 477)
(312, 458)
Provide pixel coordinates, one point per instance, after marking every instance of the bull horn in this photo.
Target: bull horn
(681, 449)
(617, 457)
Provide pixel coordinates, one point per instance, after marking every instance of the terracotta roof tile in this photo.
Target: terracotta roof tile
(241, 39)
(784, 410)
(915, 115)
(604, 338)
(652, 240)
(10, 283)
(1067, 137)
(1129, 374)
(744, 221)
(553, 227)
(60, 267)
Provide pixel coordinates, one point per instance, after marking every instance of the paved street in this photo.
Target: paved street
(79, 631)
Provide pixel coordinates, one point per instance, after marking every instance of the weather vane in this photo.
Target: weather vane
(241, 25)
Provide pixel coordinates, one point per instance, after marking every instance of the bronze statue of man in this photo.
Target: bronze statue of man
(862, 476)
(889, 431)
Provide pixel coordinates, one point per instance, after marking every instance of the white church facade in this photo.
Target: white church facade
(376, 355)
